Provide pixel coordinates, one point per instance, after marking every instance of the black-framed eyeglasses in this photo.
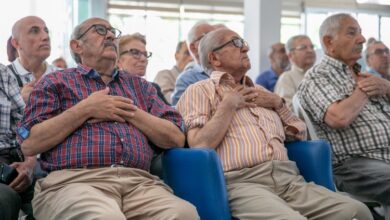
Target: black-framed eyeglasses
(303, 47)
(381, 52)
(137, 53)
(237, 42)
(102, 30)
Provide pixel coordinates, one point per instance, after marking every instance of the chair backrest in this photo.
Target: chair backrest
(196, 175)
(301, 113)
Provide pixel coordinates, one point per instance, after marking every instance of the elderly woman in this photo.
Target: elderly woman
(133, 57)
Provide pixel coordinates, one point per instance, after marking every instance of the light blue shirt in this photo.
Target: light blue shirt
(187, 78)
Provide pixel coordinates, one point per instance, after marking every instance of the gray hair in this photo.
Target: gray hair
(331, 26)
(191, 37)
(206, 46)
(291, 42)
(75, 36)
(369, 45)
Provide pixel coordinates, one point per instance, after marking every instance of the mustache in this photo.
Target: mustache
(358, 47)
(110, 44)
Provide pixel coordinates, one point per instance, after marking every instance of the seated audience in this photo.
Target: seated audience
(300, 51)
(92, 125)
(377, 57)
(133, 58)
(351, 110)
(30, 37)
(166, 78)
(279, 63)
(194, 73)
(60, 62)
(18, 193)
(247, 126)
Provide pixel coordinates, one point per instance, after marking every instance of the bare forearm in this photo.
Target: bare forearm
(161, 132)
(213, 132)
(343, 113)
(49, 133)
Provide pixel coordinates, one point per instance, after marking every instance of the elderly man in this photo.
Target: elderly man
(30, 37)
(91, 125)
(351, 110)
(195, 73)
(247, 126)
(166, 78)
(300, 51)
(279, 63)
(17, 193)
(377, 57)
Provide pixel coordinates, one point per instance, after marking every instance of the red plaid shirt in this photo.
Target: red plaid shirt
(94, 144)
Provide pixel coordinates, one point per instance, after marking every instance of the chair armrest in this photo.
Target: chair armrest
(314, 161)
(196, 175)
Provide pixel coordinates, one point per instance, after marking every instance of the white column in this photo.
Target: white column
(262, 29)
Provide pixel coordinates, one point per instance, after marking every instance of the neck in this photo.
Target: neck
(34, 65)
(277, 69)
(103, 67)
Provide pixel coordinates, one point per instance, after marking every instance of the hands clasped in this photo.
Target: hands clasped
(105, 107)
(24, 178)
(372, 85)
(239, 97)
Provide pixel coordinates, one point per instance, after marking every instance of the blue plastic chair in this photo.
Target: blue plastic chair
(196, 174)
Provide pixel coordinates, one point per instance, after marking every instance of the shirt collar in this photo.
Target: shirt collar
(340, 65)
(92, 73)
(218, 78)
(296, 69)
(20, 70)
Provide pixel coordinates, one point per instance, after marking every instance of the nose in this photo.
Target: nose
(110, 35)
(245, 48)
(361, 39)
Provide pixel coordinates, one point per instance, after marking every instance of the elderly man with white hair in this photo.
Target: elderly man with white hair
(247, 126)
(377, 57)
(300, 51)
(351, 110)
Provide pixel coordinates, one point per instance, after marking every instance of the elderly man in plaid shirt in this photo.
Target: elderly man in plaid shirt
(92, 125)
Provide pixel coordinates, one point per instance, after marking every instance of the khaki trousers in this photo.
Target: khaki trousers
(107, 193)
(275, 190)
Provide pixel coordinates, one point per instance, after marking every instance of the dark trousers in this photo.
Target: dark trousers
(11, 201)
(364, 177)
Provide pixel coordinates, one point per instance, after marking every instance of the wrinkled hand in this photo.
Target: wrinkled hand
(26, 90)
(239, 97)
(268, 99)
(105, 107)
(373, 85)
(24, 178)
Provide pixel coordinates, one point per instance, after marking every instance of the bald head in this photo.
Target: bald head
(195, 34)
(30, 37)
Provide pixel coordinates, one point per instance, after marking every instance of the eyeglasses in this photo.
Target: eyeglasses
(381, 52)
(237, 42)
(102, 30)
(302, 47)
(137, 53)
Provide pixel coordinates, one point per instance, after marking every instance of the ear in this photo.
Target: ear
(193, 49)
(15, 43)
(75, 46)
(214, 60)
(328, 42)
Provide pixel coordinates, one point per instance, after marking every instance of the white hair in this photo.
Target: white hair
(291, 41)
(206, 46)
(331, 26)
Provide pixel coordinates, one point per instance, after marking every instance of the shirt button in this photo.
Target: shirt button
(122, 139)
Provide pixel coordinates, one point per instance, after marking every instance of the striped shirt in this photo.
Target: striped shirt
(255, 135)
(11, 108)
(95, 144)
(368, 136)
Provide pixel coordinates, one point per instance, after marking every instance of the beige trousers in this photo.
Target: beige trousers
(107, 193)
(275, 190)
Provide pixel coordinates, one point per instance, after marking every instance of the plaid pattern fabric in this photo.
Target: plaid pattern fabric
(255, 135)
(95, 144)
(11, 107)
(368, 136)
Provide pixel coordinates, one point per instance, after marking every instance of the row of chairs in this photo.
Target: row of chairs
(196, 175)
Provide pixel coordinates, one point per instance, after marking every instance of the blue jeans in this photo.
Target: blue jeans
(368, 178)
